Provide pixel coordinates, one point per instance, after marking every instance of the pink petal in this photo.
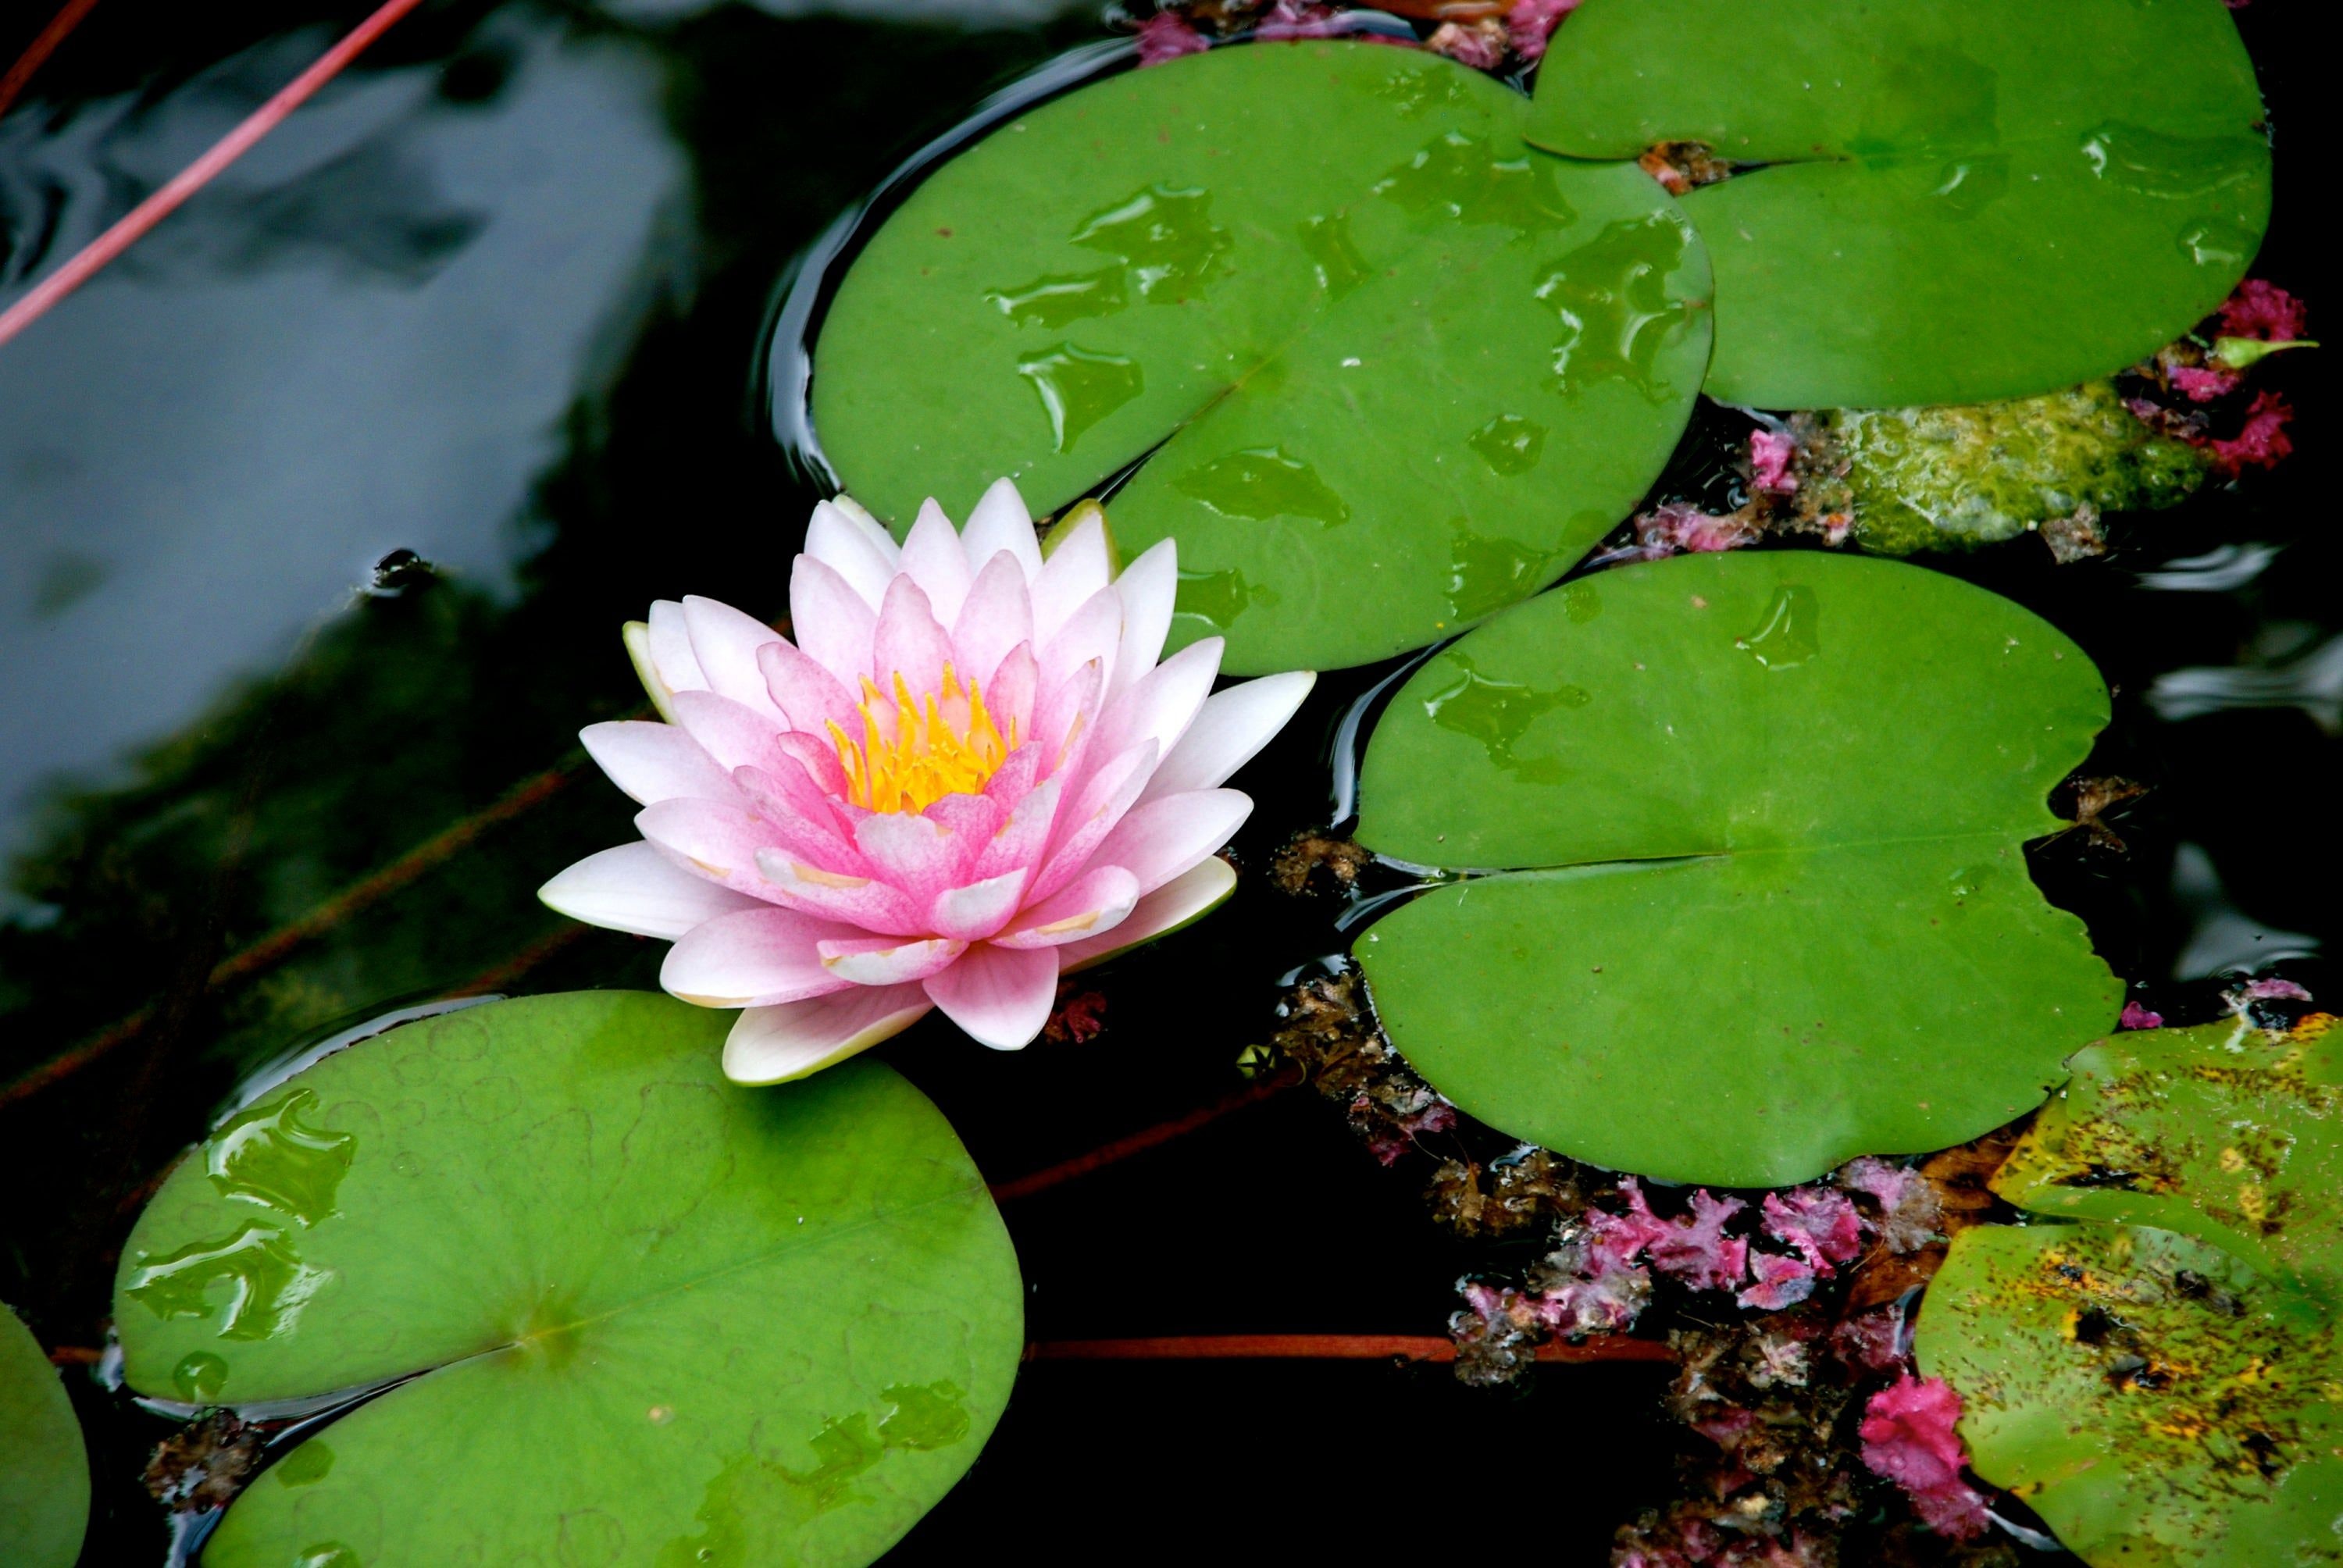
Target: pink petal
(920, 855)
(754, 957)
(1229, 731)
(1148, 586)
(975, 912)
(1009, 692)
(1185, 897)
(1162, 704)
(726, 642)
(933, 559)
(733, 733)
(1002, 521)
(1097, 809)
(1065, 717)
(834, 627)
(1091, 906)
(720, 841)
(1077, 567)
(883, 960)
(1159, 841)
(972, 818)
(809, 696)
(798, 819)
(670, 645)
(656, 762)
(1001, 996)
(636, 888)
(1093, 632)
(817, 755)
(997, 616)
(1017, 777)
(778, 1044)
(907, 642)
(838, 541)
(864, 901)
(1020, 841)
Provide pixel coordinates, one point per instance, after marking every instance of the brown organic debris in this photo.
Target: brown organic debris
(2094, 799)
(203, 1465)
(1318, 862)
(1681, 166)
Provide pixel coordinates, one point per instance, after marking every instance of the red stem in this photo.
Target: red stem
(1323, 1347)
(134, 224)
(36, 53)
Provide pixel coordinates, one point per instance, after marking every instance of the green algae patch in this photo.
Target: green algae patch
(1955, 478)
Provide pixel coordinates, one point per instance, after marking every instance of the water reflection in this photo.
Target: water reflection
(364, 337)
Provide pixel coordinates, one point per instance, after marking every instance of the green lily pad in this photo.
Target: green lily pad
(43, 1469)
(2153, 1397)
(1388, 371)
(1958, 199)
(645, 1316)
(2225, 1132)
(1761, 903)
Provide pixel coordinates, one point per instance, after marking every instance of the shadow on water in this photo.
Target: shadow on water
(500, 303)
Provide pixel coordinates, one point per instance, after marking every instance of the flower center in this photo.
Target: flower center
(913, 754)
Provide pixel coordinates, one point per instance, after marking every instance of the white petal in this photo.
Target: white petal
(837, 541)
(636, 888)
(1149, 586)
(833, 626)
(726, 642)
(670, 648)
(1157, 841)
(933, 558)
(1162, 704)
(1002, 521)
(778, 1044)
(1076, 567)
(1186, 898)
(654, 762)
(1229, 731)
(753, 958)
(1092, 905)
(883, 961)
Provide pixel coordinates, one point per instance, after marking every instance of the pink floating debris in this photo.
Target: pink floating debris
(1821, 1225)
(1908, 1210)
(2138, 1016)
(1908, 1437)
(1300, 19)
(1696, 1249)
(2264, 311)
(2202, 383)
(1770, 452)
(2270, 990)
(1532, 22)
(1166, 35)
(1874, 1341)
(1482, 48)
(1674, 527)
(2263, 443)
(1782, 1281)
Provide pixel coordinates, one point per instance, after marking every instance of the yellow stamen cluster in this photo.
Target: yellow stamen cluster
(942, 744)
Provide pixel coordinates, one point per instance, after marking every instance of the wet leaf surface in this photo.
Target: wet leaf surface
(643, 1316)
(2155, 1399)
(2225, 1132)
(1249, 268)
(43, 1470)
(1761, 902)
(1940, 182)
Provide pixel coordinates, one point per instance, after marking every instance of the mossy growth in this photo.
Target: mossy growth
(1958, 477)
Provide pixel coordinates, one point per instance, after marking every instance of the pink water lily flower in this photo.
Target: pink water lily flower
(968, 774)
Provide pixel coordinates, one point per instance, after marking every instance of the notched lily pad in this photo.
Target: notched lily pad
(1941, 201)
(642, 1315)
(44, 1468)
(2225, 1132)
(2157, 1400)
(1760, 902)
(1388, 369)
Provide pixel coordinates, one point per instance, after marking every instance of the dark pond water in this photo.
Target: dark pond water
(497, 300)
